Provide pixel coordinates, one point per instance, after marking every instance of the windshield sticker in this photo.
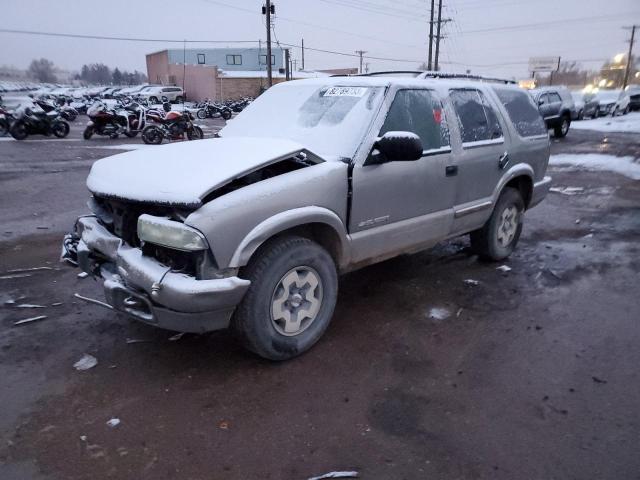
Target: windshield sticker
(345, 92)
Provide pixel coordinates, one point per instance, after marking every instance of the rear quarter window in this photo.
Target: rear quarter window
(522, 111)
(477, 120)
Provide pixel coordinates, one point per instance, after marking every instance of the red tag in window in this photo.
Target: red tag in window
(437, 115)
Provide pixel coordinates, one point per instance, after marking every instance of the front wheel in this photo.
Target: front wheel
(195, 134)
(153, 100)
(499, 236)
(60, 129)
(293, 292)
(226, 114)
(4, 127)
(201, 114)
(152, 135)
(561, 130)
(88, 133)
(19, 130)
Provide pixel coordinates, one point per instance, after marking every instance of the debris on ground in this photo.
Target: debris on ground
(555, 274)
(471, 281)
(83, 275)
(504, 268)
(93, 300)
(10, 302)
(86, 362)
(29, 269)
(224, 425)
(57, 304)
(17, 275)
(30, 305)
(598, 380)
(336, 475)
(29, 320)
(577, 221)
(176, 337)
(459, 312)
(137, 340)
(114, 422)
(438, 313)
(567, 190)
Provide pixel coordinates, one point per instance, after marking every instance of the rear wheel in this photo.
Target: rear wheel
(226, 114)
(60, 129)
(19, 130)
(499, 236)
(561, 130)
(290, 302)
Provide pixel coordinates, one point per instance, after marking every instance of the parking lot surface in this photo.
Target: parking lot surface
(436, 365)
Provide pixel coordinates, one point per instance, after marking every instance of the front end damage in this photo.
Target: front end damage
(164, 287)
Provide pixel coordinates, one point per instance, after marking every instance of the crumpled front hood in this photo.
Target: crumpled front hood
(184, 173)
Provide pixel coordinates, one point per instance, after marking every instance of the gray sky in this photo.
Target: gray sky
(488, 36)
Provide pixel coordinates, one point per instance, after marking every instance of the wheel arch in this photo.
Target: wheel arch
(519, 177)
(316, 223)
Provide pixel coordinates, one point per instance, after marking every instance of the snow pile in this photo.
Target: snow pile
(627, 166)
(629, 123)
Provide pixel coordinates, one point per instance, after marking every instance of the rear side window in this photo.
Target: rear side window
(522, 111)
(420, 112)
(477, 119)
(554, 98)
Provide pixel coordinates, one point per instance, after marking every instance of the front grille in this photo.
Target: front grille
(120, 217)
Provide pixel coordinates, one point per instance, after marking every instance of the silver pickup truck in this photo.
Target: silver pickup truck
(315, 178)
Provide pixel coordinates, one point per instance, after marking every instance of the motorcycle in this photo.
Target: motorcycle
(173, 126)
(209, 109)
(67, 113)
(30, 122)
(128, 120)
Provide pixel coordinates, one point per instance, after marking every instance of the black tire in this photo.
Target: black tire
(581, 115)
(60, 129)
(252, 321)
(152, 135)
(88, 133)
(201, 114)
(485, 241)
(195, 134)
(560, 131)
(178, 99)
(4, 127)
(626, 110)
(596, 113)
(226, 114)
(19, 130)
(153, 100)
(614, 112)
(131, 134)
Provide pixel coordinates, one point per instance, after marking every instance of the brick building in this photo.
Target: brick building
(218, 73)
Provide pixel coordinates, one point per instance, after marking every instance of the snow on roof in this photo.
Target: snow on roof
(263, 74)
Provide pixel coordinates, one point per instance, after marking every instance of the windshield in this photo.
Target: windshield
(609, 96)
(328, 120)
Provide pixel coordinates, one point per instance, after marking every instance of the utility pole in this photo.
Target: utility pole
(430, 62)
(267, 10)
(295, 64)
(628, 69)
(287, 62)
(303, 54)
(436, 66)
(361, 53)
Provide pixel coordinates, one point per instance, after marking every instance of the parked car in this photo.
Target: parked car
(556, 107)
(613, 102)
(249, 231)
(154, 94)
(586, 105)
(634, 97)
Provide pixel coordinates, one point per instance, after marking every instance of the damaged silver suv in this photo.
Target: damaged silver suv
(315, 178)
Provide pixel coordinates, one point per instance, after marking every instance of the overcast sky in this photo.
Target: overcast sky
(487, 36)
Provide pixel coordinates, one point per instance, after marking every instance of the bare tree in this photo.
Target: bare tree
(42, 70)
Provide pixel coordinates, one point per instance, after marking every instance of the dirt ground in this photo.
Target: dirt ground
(533, 374)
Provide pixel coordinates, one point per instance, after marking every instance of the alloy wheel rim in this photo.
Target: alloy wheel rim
(296, 301)
(509, 220)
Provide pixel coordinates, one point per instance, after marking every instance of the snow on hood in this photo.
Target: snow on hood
(184, 173)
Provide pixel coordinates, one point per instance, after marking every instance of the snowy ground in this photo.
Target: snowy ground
(629, 123)
(627, 166)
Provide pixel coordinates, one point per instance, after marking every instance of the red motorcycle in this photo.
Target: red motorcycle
(173, 126)
(111, 122)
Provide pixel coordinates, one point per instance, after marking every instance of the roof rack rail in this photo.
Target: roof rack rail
(430, 74)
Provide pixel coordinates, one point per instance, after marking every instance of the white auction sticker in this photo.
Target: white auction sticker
(345, 92)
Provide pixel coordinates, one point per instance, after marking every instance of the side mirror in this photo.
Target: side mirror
(396, 147)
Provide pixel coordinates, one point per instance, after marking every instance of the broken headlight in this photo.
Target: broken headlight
(169, 233)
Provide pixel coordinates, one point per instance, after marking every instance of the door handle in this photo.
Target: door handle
(503, 161)
(451, 170)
